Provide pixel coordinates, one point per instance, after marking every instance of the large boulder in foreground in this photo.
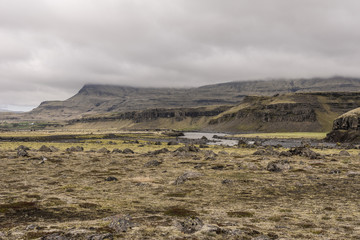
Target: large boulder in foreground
(346, 128)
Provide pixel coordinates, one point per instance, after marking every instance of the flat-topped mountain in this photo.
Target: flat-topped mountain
(95, 99)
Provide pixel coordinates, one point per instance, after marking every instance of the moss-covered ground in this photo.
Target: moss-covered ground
(233, 194)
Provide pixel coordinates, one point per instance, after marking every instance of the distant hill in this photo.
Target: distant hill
(99, 99)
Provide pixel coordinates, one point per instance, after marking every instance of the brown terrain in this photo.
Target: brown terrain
(96, 188)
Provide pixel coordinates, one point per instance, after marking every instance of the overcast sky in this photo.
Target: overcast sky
(50, 48)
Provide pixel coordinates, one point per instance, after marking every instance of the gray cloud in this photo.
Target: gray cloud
(49, 49)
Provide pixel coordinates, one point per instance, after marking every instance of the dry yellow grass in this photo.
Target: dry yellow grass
(234, 193)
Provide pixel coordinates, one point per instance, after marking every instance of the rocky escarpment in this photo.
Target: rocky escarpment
(178, 114)
(287, 112)
(346, 128)
(279, 113)
(282, 112)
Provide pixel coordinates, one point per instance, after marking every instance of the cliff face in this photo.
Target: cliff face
(287, 112)
(279, 113)
(178, 114)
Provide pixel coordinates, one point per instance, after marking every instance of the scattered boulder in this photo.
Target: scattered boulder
(53, 149)
(121, 224)
(226, 181)
(285, 154)
(335, 171)
(163, 150)
(190, 225)
(157, 143)
(223, 153)
(44, 148)
(110, 179)
(153, 163)
(344, 153)
(203, 146)
(22, 153)
(23, 148)
(170, 143)
(187, 176)
(128, 151)
(116, 150)
(75, 149)
(242, 143)
(278, 166)
(174, 134)
(188, 148)
(210, 155)
(305, 152)
(268, 151)
(103, 150)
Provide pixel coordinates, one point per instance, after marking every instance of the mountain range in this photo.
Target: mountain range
(96, 99)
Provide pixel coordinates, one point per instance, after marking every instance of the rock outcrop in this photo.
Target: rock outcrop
(346, 128)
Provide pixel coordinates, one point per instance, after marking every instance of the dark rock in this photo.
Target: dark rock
(174, 134)
(210, 155)
(305, 152)
(344, 153)
(44, 148)
(285, 154)
(103, 150)
(278, 166)
(223, 153)
(75, 149)
(188, 148)
(190, 225)
(203, 146)
(204, 138)
(226, 181)
(163, 150)
(116, 150)
(187, 176)
(218, 167)
(22, 153)
(23, 148)
(172, 143)
(158, 143)
(153, 163)
(128, 151)
(53, 149)
(242, 143)
(111, 179)
(335, 171)
(121, 224)
(268, 151)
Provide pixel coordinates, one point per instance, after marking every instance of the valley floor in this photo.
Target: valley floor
(99, 190)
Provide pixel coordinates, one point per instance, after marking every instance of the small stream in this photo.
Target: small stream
(210, 137)
(285, 142)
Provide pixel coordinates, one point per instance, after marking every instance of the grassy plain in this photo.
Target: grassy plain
(233, 195)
